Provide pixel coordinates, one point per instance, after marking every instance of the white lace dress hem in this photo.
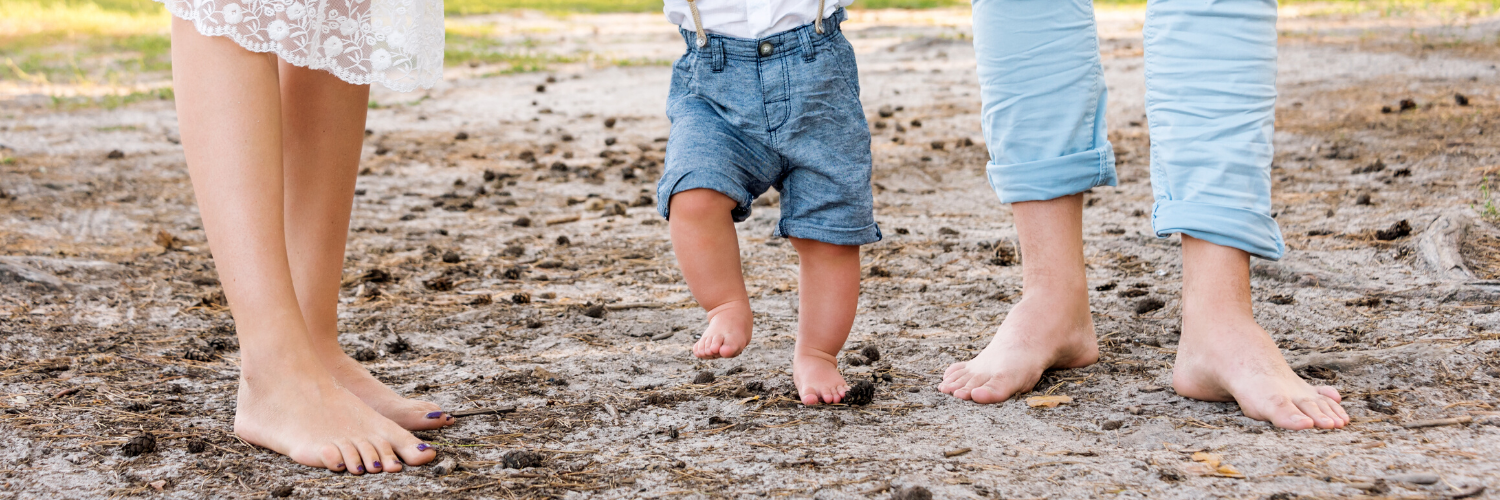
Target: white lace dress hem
(395, 43)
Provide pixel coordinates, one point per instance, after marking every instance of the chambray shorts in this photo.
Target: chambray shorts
(780, 112)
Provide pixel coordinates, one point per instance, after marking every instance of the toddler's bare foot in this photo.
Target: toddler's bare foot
(729, 329)
(817, 377)
(295, 408)
(1238, 361)
(1045, 330)
(410, 414)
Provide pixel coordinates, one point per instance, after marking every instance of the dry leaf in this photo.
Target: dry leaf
(167, 241)
(1211, 459)
(1227, 470)
(1211, 464)
(1047, 401)
(158, 484)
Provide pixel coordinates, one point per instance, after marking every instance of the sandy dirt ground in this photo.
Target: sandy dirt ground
(506, 257)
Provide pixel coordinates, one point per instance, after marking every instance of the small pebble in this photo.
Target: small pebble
(911, 493)
(445, 466)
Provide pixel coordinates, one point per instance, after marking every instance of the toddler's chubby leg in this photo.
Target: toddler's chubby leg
(704, 240)
(828, 295)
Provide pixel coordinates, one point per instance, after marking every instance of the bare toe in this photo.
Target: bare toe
(990, 393)
(1286, 415)
(369, 458)
(388, 460)
(415, 452)
(349, 458)
(1330, 393)
(333, 458)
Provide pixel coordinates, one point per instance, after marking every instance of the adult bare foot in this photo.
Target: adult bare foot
(1225, 356)
(817, 377)
(728, 332)
(410, 414)
(1237, 361)
(1044, 330)
(295, 408)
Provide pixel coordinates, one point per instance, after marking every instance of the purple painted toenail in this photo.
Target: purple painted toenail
(435, 414)
(360, 468)
(423, 446)
(376, 464)
(339, 466)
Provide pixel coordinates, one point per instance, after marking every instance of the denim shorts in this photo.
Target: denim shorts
(779, 112)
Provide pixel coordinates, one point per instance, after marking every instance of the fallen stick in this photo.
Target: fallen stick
(563, 220)
(1439, 422)
(482, 411)
(636, 305)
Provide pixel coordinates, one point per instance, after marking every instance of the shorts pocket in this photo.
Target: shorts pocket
(683, 74)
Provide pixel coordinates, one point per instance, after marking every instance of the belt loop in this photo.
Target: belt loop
(809, 53)
(716, 50)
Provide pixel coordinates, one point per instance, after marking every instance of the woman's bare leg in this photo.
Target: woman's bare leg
(323, 124)
(229, 114)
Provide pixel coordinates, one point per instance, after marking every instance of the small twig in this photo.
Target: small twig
(1439, 422)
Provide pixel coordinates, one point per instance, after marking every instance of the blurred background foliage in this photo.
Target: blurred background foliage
(114, 43)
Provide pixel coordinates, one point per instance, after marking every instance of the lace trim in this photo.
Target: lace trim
(395, 43)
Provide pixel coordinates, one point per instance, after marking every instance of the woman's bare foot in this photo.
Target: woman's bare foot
(1237, 361)
(300, 411)
(1045, 330)
(410, 414)
(817, 377)
(728, 332)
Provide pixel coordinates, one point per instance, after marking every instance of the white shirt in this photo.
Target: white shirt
(749, 18)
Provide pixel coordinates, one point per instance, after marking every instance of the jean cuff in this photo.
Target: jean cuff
(851, 236)
(1246, 230)
(1054, 177)
(702, 179)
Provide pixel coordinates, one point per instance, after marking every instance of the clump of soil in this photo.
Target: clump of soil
(139, 445)
(1400, 229)
(911, 493)
(1148, 304)
(521, 459)
(863, 393)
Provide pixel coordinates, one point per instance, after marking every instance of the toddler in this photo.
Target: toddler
(767, 96)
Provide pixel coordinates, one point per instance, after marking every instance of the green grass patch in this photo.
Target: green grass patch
(1487, 207)
(101, 42)
(475, 45)
(111, 101)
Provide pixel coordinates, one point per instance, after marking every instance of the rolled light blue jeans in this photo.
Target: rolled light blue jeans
(1210, 101)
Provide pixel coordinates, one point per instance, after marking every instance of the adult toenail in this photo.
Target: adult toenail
(339, 466)
(360, 468)
(423, 446)
(375, 464)
(435, 414)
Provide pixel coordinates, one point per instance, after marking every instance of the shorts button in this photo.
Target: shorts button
(766, 48)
